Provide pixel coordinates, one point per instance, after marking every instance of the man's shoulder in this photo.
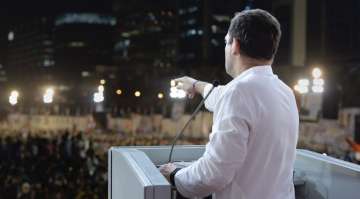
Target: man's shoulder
(286, 87)
(233, 90)
(238, 86)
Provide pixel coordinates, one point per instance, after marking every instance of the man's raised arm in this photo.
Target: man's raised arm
(192, 86)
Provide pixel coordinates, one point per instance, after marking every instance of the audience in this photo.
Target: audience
(61, 165)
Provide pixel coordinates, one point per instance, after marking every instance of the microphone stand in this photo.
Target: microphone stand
(215, 84)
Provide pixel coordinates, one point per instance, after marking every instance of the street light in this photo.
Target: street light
(177, 93)
(317, 89)
(50, 91)
(101, 88)
(102, 81)
(318, 82)
(13, 98)
(14, 93)
(301, 89)
(11, 36)
(316, 73)
(48, 96)
(302, 86)
(118, 91)
(311, 100)
(98, 97)
(160, 95)
(137, 93)
(303, 82)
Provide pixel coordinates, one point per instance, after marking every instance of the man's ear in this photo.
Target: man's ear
(235, 47)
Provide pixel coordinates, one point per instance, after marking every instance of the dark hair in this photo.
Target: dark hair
(258, 33)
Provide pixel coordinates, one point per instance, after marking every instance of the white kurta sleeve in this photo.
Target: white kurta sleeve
(224, 153)
(211, 101)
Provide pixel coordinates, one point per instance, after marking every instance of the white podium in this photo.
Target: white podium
(133, 173)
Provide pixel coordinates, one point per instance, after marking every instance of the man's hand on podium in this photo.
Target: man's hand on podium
(167, 169)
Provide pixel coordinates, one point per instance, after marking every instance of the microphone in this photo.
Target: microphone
(214, 84)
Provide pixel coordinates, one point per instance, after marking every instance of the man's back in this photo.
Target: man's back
(251, 150)
(271, 116)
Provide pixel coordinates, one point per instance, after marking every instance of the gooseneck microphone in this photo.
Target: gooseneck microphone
(214, 84)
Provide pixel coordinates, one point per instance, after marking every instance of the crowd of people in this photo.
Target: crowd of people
(60, 165)
(65, 164)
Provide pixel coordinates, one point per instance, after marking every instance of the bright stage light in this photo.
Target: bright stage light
(318, 82)
(160, 95)
(98, 97)
(118, 91)
(316, 73)
(303, 82)
(137, 93)
(48, 96)
(177, 93)
(101, 88)
(14, 93)
(172, 83)
(317, 89)
(13, 98)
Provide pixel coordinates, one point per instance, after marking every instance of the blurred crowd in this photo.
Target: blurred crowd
(68, 164)
(59, 165)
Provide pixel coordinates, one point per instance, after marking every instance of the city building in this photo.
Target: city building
(322, 34)
(29, 57)
(69, 52)
(83, 53)
(145, 52)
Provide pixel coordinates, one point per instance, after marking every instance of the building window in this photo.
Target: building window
(221, 18)
(48, 62)
(49, 50)
(182, 11)
(192, 32)
(76, 44)
(190, 22)
(85, 74)
(214, 42)
(47, 42)
(192, 9)
(11, 36)
(85, 18)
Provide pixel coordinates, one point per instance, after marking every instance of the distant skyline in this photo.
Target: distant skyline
(331, 38)
(18, 8)
(19, 11)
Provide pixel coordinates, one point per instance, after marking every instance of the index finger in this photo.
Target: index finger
(177, 80)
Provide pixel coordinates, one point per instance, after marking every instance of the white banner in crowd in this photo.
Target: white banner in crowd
(137, 124)
(323, 135)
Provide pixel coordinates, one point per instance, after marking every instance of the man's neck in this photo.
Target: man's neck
(245, 64)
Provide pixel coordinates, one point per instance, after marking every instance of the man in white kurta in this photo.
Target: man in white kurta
(252, 146)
